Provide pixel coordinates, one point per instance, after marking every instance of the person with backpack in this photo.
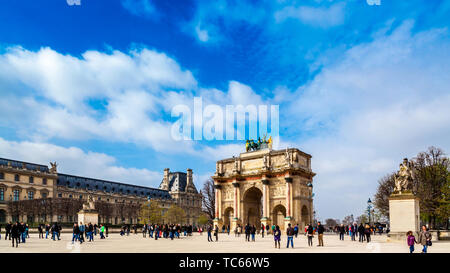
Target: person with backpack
(367, 233)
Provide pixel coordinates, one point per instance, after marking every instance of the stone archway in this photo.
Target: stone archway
(228, 216)
(252, 207)
(305, 216)
(278, 215)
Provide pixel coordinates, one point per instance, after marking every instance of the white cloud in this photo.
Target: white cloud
(75, 161)
(380, 102)
(316, 16)
(140, 8)
(202, 34)
(57, 91)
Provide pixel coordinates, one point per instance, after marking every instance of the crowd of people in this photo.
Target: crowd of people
(19, 232)
(160, 230)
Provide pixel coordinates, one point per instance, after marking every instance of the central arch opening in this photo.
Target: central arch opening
(228, 216)
(278, 215)
(253, 207)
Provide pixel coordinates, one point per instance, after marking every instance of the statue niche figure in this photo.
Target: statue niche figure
(403, 178)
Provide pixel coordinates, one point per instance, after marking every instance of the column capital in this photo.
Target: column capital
(217, 186)
(235, 184)
(265, 181)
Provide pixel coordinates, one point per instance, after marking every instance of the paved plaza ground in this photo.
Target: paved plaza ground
(198, 243)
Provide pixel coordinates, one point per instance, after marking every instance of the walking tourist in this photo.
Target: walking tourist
(262, 230)
(290, 236)
(75, 233)
(41, 231)
(253, 232)
(341, 232)
(216, 233)
(15, 233)
(320, 230)
(102, 232)
(277, 236)
(8, 228)
(209, 233)
(410, 240)
(424, 239)
(361, 233)
(247, 232)
(367, 233)
(310, 234)
(82, 228)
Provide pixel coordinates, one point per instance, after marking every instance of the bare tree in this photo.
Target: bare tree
(209, 198)
(385, 189)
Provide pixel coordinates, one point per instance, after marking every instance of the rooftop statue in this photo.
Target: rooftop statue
(53, 168)
(251, 145)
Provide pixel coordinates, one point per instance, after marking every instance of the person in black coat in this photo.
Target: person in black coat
(8, 230)
(341, 232)
(15, 234)
(247, 232)
(361, 233)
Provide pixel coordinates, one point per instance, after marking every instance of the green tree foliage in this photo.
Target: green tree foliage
(151, 213)
(175, 215)
(203, 219)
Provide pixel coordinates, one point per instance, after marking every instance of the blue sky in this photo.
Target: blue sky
(92, 86)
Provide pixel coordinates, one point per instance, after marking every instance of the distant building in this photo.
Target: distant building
(181, 187)
(28, 181)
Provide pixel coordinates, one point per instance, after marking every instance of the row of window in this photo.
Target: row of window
(16, 195)
(60, 195)
(30, 179)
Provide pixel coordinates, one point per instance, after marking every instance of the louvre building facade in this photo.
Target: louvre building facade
(47, 196)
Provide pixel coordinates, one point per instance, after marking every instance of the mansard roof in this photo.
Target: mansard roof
(19, 164)
(177, 182)
(92, 184)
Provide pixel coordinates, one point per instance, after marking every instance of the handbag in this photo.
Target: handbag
(429, 243)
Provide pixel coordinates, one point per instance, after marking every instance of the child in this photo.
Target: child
(411, 240)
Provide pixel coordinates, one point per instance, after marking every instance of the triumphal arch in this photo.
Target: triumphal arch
(264, 186)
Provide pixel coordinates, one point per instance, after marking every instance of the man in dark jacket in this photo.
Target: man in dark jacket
(341, 232)
(361, 233)
(8, 230)
(320, 230)
(247, 232)
(15, 234)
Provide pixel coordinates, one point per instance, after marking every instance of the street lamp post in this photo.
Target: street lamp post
(369, 208)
